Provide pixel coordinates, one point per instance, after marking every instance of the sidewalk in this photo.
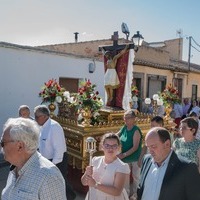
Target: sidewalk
(4, 170)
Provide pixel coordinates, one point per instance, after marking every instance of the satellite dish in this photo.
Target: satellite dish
(125, 30)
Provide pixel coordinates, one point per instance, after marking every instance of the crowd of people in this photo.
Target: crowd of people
(36, 149)
(157, 167)
(163, 168)
(179, 110)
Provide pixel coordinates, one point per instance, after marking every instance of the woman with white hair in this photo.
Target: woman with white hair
(32, 176)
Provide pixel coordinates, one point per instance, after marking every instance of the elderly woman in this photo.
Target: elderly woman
(131, 139)
(107, 175)
(32, 175)
(188, 147)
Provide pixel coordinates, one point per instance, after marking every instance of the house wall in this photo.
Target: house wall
(152, 71)
(153, 55)
(175, 48)
(23, 72)
(188, 79)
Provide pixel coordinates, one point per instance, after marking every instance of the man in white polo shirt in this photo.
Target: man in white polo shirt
(52, 144)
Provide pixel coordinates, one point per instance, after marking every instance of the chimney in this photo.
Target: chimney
(76, 37)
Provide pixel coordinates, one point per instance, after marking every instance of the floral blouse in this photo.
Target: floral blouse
(187, 150)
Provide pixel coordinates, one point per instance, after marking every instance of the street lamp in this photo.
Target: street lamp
(137, 39)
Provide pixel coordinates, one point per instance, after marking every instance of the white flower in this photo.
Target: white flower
(71, 100)
(101, 101)
(58, 99)
(80, 117)
(66, 94)
(96, 114)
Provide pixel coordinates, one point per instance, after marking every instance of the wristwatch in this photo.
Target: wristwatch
(124, 154)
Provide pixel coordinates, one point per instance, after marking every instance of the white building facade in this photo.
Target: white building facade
(23, 70)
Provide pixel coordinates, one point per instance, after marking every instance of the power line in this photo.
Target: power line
(195, 48)
(195, 42)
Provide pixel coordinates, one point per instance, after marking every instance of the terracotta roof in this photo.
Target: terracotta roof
(174, 65)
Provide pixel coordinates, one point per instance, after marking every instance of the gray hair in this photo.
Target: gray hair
(23, 107)
(25, 130)
(42, 109)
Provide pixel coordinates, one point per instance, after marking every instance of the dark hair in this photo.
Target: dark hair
(191, 105)
(130, 112)
(193, 114)
(191, 123)
(110, 136)
(158, 120)
(162, 133)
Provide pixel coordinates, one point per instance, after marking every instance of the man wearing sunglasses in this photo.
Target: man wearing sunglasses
(32, 176)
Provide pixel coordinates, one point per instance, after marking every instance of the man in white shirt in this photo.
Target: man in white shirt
(52, 144)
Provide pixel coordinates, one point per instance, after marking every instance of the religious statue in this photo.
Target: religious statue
(111, 80)
(118, 63)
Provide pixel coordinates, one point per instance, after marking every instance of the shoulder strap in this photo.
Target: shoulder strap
(144, 171)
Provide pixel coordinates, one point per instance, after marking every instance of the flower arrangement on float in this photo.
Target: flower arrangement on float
(51, 92)
(135, 93)
(134, 90)
(169, 95)
(86, 102)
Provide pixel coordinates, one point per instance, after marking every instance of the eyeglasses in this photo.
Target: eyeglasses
(108, 146)
(4, 142)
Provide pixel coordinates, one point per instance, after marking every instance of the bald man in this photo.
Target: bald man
(163, 175)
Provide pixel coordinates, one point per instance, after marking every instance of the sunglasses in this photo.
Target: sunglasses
(4, 142)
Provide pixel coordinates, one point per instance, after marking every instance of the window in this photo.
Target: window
(155, 84)
(194, 91)
(70, 84)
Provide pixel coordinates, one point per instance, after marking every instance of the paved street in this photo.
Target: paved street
(4, 170)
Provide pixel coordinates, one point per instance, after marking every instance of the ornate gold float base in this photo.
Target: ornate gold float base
(77, 134)
(52, 108)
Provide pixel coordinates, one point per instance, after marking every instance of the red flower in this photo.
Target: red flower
(51, 90)
(170, 95)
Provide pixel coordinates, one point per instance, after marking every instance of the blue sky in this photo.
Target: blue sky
(40, 22)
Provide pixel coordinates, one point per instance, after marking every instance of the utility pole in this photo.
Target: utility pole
(189, 53)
